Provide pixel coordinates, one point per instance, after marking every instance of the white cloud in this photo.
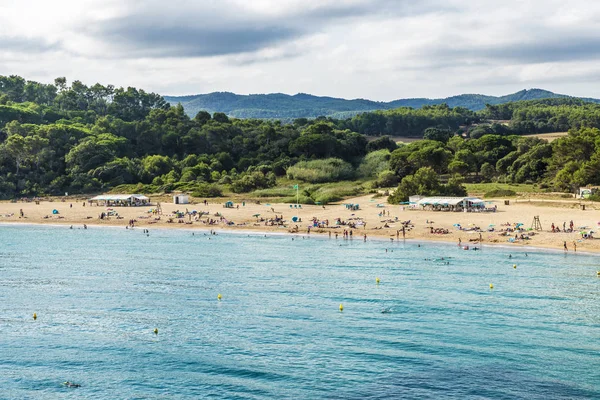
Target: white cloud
(378, 49)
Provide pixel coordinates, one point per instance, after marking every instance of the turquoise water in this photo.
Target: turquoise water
(277, 332)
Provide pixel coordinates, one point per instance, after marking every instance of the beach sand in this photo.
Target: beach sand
(522, 212)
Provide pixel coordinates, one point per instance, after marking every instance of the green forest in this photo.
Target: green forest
(61, 137)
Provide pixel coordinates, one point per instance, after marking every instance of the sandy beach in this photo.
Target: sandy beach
(369, 219)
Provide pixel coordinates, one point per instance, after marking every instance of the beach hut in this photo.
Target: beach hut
(181, 199)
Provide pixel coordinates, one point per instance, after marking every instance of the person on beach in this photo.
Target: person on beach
(565, 246)
(365, 239)
(403, 232)
(459, 241)
(574, 246)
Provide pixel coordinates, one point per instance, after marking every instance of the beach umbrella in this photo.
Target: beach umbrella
(256, 215)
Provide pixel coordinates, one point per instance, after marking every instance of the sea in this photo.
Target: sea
(441, 323)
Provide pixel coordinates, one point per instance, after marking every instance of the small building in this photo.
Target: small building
(181, 199)
(466, 204)
(128, 200)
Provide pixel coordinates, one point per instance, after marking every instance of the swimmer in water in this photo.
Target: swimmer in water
(386, 310)
(71, 384)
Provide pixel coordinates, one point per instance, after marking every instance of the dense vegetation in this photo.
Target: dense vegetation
(286, 107)
(57, 138)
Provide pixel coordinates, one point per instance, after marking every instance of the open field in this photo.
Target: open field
(403, 139)
(549, 136)
(479, 189)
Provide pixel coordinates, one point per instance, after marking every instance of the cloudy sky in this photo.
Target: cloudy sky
(376, 49)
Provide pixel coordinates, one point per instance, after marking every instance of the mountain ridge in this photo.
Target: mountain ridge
(304, 105)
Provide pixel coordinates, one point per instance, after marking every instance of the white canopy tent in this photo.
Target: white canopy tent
(121, 199)
(452, 203)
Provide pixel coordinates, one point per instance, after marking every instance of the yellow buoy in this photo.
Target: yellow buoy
(219, 296)
(156, 331)
(34, 316)
(377, 280)
(598, 272)
(341, 307)
(491, 285)
(514, 265)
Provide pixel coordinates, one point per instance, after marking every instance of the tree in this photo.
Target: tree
(221, 117)
(424, 182)
(92, 152)
(16, 148)
(38, 149)
(440, 135)
(202, 117)
(487, 171)
(381, 143)
(61, 83)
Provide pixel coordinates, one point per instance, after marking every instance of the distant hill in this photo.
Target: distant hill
(283, 106)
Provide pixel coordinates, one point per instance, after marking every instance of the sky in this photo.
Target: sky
(375, 49)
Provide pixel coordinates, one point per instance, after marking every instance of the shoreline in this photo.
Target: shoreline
(375, 218)
(320, 235)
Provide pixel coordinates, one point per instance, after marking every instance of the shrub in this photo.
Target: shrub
(207, 190)
(253, 181)
(302, 200)
(275, 192)
(320, 171)
(374, 163)
(594, 197)
(386, 179)
(426, 182)
(500, 193)
(331, 194)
